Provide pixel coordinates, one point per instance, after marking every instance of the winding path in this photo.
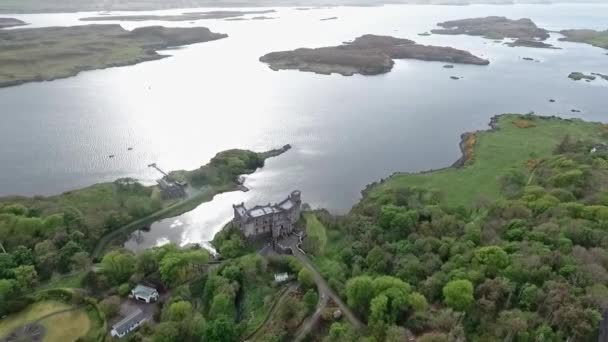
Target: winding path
(324, 288)
(271, 312)
(311, 321)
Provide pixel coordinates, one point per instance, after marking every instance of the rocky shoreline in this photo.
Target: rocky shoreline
(366, 55)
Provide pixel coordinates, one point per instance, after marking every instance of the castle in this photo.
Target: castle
(273, 220)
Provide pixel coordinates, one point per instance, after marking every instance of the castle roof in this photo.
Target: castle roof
(263, 210)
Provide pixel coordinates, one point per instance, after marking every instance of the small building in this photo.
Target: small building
(170, 190)
(273, 220)
(128, 324)
(281, 277)
(144, 293)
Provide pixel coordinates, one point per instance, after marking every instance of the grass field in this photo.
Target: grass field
(63, 327)
(494, 153)
(67, 326)
(316, 229)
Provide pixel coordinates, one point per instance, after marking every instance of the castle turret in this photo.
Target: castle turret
(295, 196)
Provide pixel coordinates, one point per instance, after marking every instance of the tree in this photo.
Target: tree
(339, 332)
(26, 277)
(458, 294)
(8, 290)
(110, 306)
(118, 266)
(418, 302)
(359, 293)
(80, 261)
(306, 278)
(176, 267)
(221, 330)
(66, 253)
(493, 258)
(377, 260)
(23, 256)
(395, 334)
(7, 263)
(222, 306)
(179, 312)
(167, 332)
(310, 300)
(379, 316)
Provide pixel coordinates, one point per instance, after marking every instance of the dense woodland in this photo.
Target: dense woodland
(532, 267)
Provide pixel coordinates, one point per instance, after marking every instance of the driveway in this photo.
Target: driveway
(324, 288)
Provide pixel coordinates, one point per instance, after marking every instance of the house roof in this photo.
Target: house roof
(125, 325)
(143, 291)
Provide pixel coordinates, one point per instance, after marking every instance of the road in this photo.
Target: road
(324, 288)
(310, 322)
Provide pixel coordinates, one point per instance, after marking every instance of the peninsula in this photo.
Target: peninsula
(45, 54)
(592, 37)
(524, 30)
(366, 55)
(10, 22)
(178, 17)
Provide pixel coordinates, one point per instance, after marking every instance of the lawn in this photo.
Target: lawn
(315, 229)
(32, 313)
(65, 327)
(494, 153)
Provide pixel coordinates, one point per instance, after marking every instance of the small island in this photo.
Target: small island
(11, 22)
(178, 17)
(523, 30)
(577, 76)
(592, 37)
(366, 55)
(45, 54)
(531, 43)
(330, 18)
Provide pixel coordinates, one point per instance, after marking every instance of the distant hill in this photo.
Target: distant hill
(38, 6)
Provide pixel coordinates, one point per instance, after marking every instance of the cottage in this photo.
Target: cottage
(144, 293)
(128, 324)
(272, 220)
(281, 277)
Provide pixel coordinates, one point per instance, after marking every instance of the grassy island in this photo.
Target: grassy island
(178, 17)
(366, 55)
(494, 28)
(10, 22)
(44, 54)
(592, 37)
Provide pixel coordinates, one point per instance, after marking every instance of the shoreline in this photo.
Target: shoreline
(181, 207)
(465, 155)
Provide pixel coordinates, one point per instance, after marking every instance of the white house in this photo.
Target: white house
(128, 324)
(144, 293)
(281, 277)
